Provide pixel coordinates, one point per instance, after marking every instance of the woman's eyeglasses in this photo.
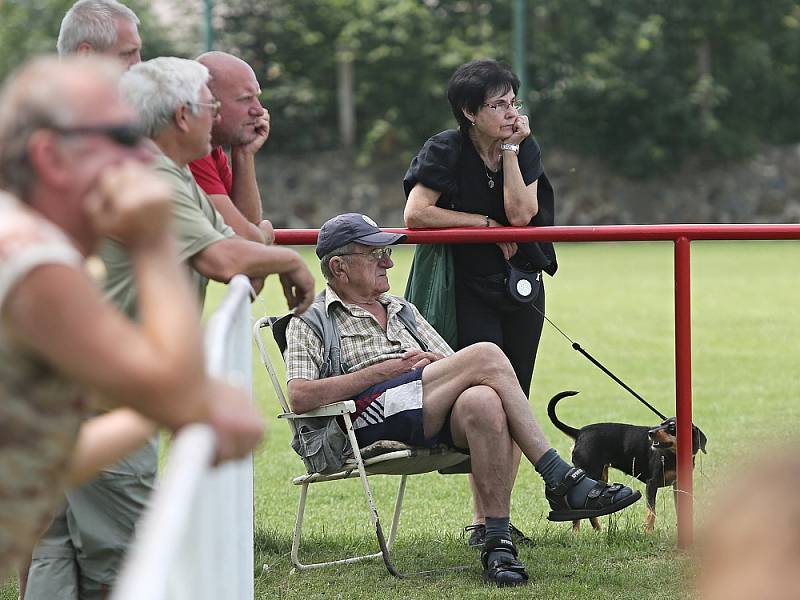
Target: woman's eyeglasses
(503, 106)
(376, 254)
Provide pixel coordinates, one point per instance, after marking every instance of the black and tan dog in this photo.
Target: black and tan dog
(647, 453)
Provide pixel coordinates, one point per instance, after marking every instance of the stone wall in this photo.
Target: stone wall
(764, 189)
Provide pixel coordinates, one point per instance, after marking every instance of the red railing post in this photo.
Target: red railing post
(683, 389)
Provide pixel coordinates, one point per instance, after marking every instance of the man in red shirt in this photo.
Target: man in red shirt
(243, 125)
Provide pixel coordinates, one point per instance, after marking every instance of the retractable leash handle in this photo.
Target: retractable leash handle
(599, 365)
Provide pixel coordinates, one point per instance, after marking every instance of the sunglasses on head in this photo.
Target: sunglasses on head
(124, 135)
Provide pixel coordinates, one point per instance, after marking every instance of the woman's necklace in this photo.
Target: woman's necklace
(478, 147)
(489, 177)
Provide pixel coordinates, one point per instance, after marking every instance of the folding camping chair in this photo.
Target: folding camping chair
(380, 458)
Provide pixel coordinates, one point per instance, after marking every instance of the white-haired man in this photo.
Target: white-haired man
(177, 110)
(101, 27)
(243, 126)
(75, 169)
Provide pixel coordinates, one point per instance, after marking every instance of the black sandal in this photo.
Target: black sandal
(603, 499)
(503, 571)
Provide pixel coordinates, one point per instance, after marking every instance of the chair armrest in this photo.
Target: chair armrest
(329, 410)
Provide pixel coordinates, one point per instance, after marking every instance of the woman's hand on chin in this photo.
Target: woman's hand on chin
(520, 130)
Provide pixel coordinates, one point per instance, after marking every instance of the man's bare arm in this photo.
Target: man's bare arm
(59, 314)
(237, 221)
(104, 440)
(223, 259)
(155, 366)
(308, 394)
(245, 194)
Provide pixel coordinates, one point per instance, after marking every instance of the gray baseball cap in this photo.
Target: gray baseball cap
(353, 227)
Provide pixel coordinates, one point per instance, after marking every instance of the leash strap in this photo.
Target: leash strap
(599, 365)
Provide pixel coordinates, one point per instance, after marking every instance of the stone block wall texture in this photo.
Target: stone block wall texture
(300, 193)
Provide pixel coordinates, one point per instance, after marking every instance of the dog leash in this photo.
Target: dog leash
(601, 366)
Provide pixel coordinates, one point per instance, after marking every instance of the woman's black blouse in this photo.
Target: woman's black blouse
(449, 163)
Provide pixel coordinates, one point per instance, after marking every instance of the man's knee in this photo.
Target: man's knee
(481, 409)
(485, 357)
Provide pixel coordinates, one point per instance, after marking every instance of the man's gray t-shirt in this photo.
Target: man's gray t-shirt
(195, 222)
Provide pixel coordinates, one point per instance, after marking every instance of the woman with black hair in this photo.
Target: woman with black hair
(487, 173)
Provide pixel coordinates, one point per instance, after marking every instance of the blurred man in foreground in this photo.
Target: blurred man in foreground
(73, 170)
(110, 29)
(176, 111)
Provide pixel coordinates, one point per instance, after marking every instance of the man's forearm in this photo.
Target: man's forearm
(168, 307)
(106, 439)
(237, 221)
(308, 394)
(223, 259)
(244, 193)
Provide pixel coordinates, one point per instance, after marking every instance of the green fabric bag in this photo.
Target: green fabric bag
(431, 288)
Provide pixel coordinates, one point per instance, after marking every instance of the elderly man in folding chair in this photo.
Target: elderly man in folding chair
(409, 386)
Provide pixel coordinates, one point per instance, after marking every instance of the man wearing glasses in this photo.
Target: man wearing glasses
(243, 125)
(409, 386)
(177, 111)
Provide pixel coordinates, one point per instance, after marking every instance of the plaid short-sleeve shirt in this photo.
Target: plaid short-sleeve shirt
(363, 340)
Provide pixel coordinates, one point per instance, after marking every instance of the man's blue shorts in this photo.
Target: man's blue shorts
(405, 426)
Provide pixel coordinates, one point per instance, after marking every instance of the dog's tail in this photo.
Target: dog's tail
(551, 412)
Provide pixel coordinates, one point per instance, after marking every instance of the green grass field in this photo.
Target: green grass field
(617, 301)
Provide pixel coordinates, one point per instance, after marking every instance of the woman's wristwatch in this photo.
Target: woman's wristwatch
(510, 147)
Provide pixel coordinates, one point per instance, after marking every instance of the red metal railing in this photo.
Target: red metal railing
(681, 236)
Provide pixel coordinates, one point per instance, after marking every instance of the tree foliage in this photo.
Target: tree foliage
(30, 27)
(644, 84)
(402, 51)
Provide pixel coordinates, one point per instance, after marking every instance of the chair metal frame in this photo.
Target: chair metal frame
(401, 459)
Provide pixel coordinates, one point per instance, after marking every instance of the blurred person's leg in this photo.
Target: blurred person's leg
(102, 518)
(53, 572)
